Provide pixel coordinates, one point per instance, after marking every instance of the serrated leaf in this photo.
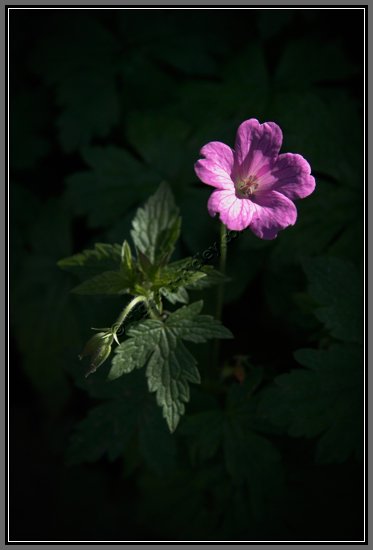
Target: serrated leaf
(104, 257)
(169, 365)
(324, 399)
(156, 226)
(126, 258)
(193, 327)
(180, 295)
(134, 352)
(212, 277)
(336, 285)
(170, 379)
(109, 282)
(184, 273)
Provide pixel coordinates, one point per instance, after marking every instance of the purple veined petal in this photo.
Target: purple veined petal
(219, 153)
(236, 214)
(256, 145)
(209, 172)
(291, 176)
(273, 212)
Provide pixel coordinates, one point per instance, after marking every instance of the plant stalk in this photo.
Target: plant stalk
(220, 292)
(222, 267)
(129, 307)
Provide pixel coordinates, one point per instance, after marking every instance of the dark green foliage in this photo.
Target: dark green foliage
(79, 55)
(89, 263)
(327, 397)
(108, 428)
(115, 182)
(169, 365)
(337, 287)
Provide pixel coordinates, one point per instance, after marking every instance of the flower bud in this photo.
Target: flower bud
(99, 348)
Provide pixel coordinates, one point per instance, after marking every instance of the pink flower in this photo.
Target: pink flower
(255, 186)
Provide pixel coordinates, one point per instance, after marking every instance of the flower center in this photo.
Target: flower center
(246, 187)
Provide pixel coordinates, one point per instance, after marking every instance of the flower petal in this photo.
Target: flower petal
(235, 213)
(273, 212)
(291, 176)
(208, 171)
(257, 145)
(220, 153)
(216, 168)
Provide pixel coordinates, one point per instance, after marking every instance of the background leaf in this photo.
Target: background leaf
(156, 226)
(78, 55)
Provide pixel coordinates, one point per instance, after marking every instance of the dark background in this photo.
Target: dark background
(104, 105)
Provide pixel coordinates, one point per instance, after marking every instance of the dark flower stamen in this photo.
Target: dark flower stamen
(247, 187)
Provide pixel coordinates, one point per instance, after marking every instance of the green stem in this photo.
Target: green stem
(222, 265)
(220, 293)
(119, 322)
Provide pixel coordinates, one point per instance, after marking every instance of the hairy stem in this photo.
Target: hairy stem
(222, 264)
(220, 292)
(129, 307)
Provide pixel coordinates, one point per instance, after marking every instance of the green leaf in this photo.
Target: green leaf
(156, 226)
(114, 183)
(319, 226)
(104, 257)
(324, 399)
(170, 366)
(183, 273)
(250, 459)
(109, 427)
(109, 282)
(337, 286)
(210, 278)
(196, 328)
(323, 145)
(94, 436)
(161, 140)
(134, 352)
(170, 379)
(179, 295)
(126, 257)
